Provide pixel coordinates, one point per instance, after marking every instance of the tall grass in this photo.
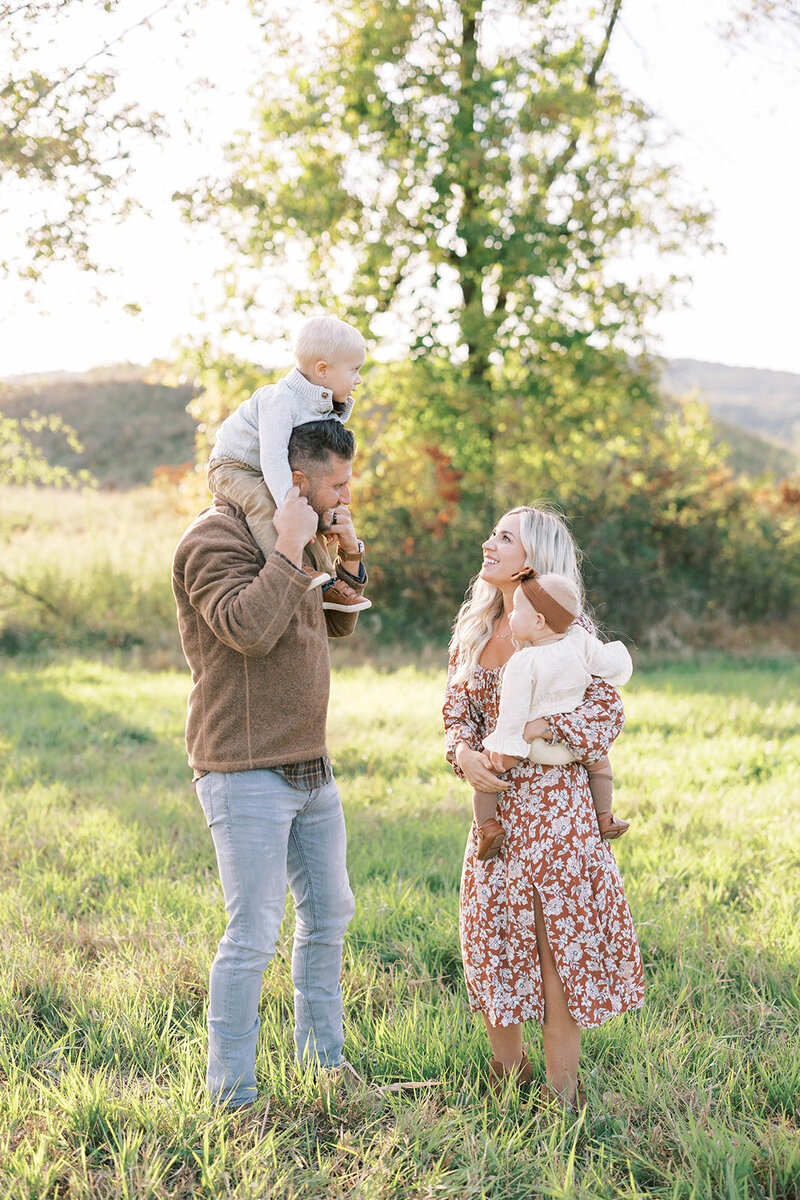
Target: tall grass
(89, 569)
(110, 910)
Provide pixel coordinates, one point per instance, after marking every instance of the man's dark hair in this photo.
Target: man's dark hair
(316, 441)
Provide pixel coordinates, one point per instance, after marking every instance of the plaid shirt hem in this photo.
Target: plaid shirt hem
(305, 776)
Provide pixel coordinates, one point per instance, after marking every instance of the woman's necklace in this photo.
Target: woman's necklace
(501, 637)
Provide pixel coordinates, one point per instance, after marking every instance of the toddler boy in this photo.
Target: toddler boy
(250, 464)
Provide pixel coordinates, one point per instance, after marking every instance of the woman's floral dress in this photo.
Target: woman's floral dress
(553, 845)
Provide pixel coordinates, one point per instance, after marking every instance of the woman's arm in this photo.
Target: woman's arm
(589, 729)
(461, 721)
(463, 738)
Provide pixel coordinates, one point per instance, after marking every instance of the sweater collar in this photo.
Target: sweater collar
(320, 398)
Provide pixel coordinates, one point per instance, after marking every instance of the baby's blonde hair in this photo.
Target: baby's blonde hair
(326, 339)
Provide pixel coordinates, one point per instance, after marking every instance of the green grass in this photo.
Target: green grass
(111, 909)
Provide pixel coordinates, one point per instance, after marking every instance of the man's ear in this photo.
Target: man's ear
(300, 480)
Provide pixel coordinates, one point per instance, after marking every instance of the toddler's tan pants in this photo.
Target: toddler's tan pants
(246, 487)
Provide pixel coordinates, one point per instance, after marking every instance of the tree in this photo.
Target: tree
(432, 154)
(784, 14)
(64, 137)
(22, 462)
(772, 24)
(471, 181)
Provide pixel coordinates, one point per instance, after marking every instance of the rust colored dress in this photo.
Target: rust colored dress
(553, 845)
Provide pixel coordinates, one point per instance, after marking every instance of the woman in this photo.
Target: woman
(546, 932)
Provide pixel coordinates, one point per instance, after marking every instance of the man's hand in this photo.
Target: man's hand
(296, 524)
(502, 762)
(538, 728)
(343, 533)
(477, 768)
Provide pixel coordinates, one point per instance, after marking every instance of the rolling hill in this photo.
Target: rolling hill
(129, 425)
(126, 424)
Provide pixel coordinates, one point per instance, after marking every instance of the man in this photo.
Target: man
(255, 637)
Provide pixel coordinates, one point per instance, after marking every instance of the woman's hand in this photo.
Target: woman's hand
(538, 728)
(476, 767)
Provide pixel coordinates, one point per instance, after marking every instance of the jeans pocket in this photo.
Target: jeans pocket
(204, 792)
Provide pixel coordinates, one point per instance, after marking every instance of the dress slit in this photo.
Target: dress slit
(552, 845)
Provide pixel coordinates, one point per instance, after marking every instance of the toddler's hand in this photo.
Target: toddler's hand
(538, 728)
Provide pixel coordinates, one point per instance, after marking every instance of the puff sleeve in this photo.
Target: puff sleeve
(463, 722)
(516, 693)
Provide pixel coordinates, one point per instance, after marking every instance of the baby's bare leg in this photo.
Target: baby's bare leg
(484, 806)
(601, 785)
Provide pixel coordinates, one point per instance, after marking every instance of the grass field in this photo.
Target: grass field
(89, 570)
(111, 910)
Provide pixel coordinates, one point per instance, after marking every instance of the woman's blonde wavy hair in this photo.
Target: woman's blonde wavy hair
(549, 546)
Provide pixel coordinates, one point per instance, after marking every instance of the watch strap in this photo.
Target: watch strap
(350, 556)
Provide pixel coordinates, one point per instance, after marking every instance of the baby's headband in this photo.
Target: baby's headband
(557, 617)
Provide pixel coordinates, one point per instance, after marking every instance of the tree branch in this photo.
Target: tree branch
(591, 78)
(82, 66)
(568, 153)
(7, 13)
(26, 591)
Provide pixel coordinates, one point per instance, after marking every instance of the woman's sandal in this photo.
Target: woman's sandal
(500, 1076)
(548, 1095)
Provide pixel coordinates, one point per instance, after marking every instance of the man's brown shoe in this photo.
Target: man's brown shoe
(611, 827)
(491, 836)
(340, 597)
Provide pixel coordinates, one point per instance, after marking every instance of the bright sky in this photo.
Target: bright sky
(732, 114)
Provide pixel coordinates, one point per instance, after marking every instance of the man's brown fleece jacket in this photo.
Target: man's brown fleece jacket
(256, 641)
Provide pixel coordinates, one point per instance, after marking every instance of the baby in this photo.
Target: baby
(549, 673)
(249, 463)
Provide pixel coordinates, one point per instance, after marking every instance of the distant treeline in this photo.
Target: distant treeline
(673, 540)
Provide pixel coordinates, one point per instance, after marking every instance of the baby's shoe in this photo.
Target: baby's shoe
(317, 578)
(340, 597)
(611, 827)
(491, 836)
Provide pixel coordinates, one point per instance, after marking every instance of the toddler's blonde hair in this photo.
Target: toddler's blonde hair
(326, 339)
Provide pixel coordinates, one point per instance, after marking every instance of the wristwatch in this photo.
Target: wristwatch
(351, 555)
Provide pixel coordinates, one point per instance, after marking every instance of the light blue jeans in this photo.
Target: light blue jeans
(267, 832)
